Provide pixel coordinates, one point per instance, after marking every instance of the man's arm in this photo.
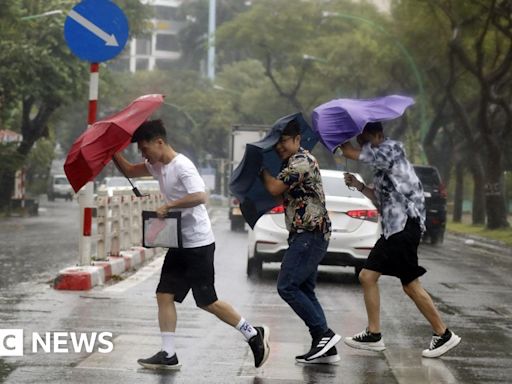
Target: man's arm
(188, 201)
(274, 186)
(129, 169)
(349, 151)
(351, 181)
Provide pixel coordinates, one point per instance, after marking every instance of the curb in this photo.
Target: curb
(83, 278)
(483, 243)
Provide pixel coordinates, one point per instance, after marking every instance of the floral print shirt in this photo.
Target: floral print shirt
(398, 190)
(304, 201)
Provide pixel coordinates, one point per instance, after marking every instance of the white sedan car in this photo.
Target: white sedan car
(355, 229)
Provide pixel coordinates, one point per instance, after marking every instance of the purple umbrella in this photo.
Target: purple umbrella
(339, 120)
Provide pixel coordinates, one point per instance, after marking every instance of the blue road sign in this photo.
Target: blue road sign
(96, 30)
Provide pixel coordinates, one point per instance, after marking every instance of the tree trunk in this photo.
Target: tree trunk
(7, 188)
(494, 193)
(459, 193)
(478, 208)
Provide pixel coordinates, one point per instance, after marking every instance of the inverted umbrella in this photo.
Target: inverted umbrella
(95, 147)
(245, 183)
(339, 120)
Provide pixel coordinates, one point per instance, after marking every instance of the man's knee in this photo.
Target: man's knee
(286, 291)
(413, 288)
(367, 277)
(164, 299)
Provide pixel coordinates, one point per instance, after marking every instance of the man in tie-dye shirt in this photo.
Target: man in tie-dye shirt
(398, 194)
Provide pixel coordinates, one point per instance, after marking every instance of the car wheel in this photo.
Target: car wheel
(237, 225)
(254, 267)
(437, 238)
(357, 271)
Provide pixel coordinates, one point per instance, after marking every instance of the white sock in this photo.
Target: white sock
(247, 329)
(168, 343)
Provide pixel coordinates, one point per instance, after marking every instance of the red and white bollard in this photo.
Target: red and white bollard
(86, 194)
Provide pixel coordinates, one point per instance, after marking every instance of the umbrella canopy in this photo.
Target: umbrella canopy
(95, 147)
(339, 120)
(245, 183)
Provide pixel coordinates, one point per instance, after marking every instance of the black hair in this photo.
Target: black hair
(373, 128)
(292, 129)
(150, 130)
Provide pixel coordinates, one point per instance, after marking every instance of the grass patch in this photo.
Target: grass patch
(503, 235)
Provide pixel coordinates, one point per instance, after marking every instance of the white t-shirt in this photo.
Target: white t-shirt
(178, 179)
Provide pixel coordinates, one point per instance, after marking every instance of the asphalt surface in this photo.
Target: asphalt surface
(471, 286)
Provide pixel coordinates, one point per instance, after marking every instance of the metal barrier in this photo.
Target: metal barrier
(119, 220)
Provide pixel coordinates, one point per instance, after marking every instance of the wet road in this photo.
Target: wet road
(34, 248)
(471, 286)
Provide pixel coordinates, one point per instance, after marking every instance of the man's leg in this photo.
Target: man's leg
(167, 316)
(425, 304)
(224, 312)
(369, 280)
(370, 338)
(166, 358)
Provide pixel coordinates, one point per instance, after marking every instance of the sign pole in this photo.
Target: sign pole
(86, 195)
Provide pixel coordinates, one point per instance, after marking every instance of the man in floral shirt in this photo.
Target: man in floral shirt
(299, 185)
(398, 194)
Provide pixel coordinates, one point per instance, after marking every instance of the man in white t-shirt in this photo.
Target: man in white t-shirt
(190, 267)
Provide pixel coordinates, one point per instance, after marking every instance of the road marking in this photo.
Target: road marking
(408, 366)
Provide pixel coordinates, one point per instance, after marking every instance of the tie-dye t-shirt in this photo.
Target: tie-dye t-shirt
(398, 190)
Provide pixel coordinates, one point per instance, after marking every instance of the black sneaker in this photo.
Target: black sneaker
(259, 345)
(329, 357)
(366, 340)
(321, 345)
(161, 361)
(439, 345)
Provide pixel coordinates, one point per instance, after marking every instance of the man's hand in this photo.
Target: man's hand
(352, 182)
(162, 211)
(349, 151)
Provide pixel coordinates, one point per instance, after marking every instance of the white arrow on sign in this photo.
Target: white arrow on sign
(108, 39)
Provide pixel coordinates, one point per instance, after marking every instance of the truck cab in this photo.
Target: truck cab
(241, 134)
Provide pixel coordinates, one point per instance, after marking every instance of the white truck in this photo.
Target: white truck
(241, 134)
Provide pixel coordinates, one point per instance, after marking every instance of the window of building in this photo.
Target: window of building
(164, 13)
(164, 63)
(166, 42)
(143, 45)
(141, 64)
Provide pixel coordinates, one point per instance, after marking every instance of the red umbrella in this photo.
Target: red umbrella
(96, 146)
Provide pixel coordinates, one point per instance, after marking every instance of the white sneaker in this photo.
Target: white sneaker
(439, 345)
(366, 340)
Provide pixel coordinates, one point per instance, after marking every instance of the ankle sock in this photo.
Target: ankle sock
(168, 343)
(246, 329)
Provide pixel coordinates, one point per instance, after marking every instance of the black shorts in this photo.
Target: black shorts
(398, 255)
(189, 268)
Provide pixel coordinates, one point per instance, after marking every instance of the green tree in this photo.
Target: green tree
(38, 73)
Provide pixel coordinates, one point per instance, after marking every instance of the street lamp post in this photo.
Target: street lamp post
(409, 58)
(211, 39)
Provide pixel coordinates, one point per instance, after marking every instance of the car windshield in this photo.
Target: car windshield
(427, 176)
(60, 181)
(335, 186)
(118, 182)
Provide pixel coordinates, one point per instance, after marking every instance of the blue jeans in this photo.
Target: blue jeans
(297, 278)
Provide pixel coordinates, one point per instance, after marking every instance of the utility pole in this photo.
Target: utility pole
(211, 40)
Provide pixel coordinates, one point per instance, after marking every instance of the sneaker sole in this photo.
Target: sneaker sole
(266, 334)
(335, 340)
(377, 346)
(450, 344)
(162, 367)
(321, 360)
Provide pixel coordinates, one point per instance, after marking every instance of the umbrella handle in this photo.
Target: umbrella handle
(135, 191)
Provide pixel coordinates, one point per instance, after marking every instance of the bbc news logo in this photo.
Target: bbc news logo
(11, 342)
